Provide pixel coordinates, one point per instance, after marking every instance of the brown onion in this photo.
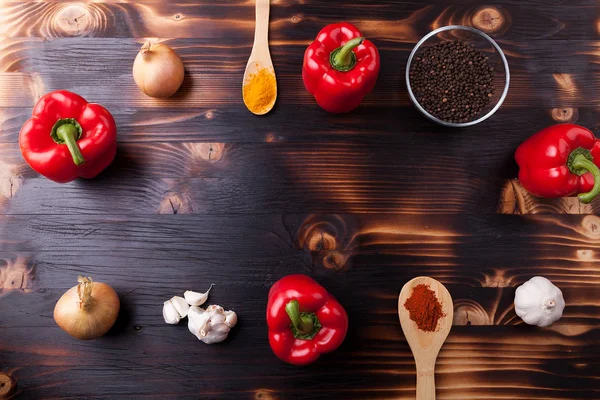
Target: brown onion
(88, 310)
(158, 70)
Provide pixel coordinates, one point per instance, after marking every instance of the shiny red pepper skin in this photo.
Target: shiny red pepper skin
(337, 91)
(544, 162)
(312, 298)
(97, 145)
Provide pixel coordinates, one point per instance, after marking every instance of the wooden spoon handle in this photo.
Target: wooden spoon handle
(425, 386)
(261, 31)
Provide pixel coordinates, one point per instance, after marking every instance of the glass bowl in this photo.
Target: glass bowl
(483, 43)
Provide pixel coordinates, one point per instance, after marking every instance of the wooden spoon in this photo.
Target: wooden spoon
(260, 57)
(425, 346)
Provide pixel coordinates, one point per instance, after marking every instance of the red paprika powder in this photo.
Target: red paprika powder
(424, 308)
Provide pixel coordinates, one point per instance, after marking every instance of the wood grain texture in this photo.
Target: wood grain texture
(289, 177)
(289, 19)
(244, 256)
(515, 199)
(378, 125)
(215, 69)
(204, 192)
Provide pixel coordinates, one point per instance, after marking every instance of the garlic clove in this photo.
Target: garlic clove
(197, 318)
(214, 307)
(197, 310)
(170, 313)
(180, 305)
(230, 318)
(195, 298)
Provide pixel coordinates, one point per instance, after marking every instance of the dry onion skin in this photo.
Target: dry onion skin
(157, 70)
(88, 310)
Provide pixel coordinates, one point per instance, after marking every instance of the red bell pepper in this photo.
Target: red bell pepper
(67, 137)
(560, 161)
(304, 320)
(340, 67)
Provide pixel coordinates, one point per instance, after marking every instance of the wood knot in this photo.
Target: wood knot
(9, 187)
(175, 203)
(515, 199)
(489, 19)
(36, 86)
(334, 260)
(469, 312)
(591, 226)
(565, 115)
(511, 199)
(321, 232)
(17, 275)
(325, 245)
(10, 181)
(296, 19)
(585, 255)
(211, 152)
(272, 138)
(498, 280)
(565, 82)
(320, 240)
(7, 386)
(209, 114)
(324, 238)
(178, 17)
(265, 394)
(78, 19)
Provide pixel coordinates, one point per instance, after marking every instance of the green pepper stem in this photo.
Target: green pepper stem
(303, 323)
(343, 58)
(582, 163)
(68, 131)
(67, 134)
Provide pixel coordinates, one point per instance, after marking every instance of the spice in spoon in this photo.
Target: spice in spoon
(424, 308)
(260, 91)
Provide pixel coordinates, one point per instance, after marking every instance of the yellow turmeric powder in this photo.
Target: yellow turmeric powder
(260, 91)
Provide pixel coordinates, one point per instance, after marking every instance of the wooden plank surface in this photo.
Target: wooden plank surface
(204, 192)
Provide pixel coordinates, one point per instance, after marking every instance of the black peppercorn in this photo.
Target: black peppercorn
(453, 81)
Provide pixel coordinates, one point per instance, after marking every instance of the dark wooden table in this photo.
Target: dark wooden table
(204, 192)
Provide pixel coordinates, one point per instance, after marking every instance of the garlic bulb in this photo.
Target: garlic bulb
(539, 302)
(175, 309)
(211, 325)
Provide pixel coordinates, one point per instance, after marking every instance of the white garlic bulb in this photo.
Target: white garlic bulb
(539, 302)
(211, 325)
